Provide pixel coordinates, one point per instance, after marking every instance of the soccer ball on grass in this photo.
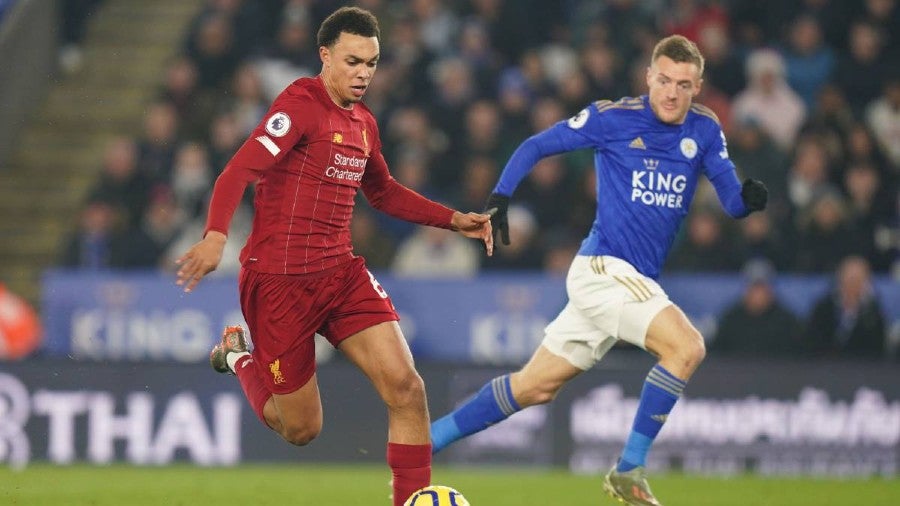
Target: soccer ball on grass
(436, 495)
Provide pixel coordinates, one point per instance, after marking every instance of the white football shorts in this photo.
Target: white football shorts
(608, 300)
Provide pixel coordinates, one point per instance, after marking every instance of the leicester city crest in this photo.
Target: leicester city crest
(688, 147)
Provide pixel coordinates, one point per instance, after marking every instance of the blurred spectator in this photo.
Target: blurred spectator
(368, 241)
(561, 246)
(194, 230)
(212, 48)
(143, 247)
(410, 168)
(830, 120)
(861, 147)
(291, 56)
(455, 88)
(193, 107)
(438, 23)
(542, 189)
(474, 47)
(769, 100)
(90, 246)
(410, 130)
(705, 246)
(757, 157)
(224, 140)
(247, 103)
(192, 178)
(601, 67)
(865, 204)
(808, 59)
(887, 239)
(484, 134)
(248, 23)
(848, 320)
(574, 91)
(883, 119)
(692, 17)
(863, 68)
(885, 15)
(435, 253)
(724, 69)
(760, 240)
(825, 235)
(808, 175)
(479, 175)
(410, 60)
(120, 184)
(583, 198)
(524, 252)
(758, 324)
(513, 26)
(156, 147)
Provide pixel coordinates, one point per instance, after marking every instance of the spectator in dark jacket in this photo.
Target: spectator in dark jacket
(848, 320)
(758, 324)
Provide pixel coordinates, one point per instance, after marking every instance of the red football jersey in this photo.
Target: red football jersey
(309, 157)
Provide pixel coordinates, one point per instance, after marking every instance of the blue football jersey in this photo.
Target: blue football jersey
(647, 173)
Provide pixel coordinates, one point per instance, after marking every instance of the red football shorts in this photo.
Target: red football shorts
(284, 312)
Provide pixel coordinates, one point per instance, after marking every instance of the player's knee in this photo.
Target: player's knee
(301, 434)
(405, 390)
(692, 351)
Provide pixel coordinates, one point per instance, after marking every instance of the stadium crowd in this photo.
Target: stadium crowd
(807, 91)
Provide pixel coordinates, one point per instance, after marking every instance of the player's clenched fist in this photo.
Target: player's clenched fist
(755, 194)
(200, 260)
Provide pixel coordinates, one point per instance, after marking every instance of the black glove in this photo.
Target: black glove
(755, 194)
(496, 206)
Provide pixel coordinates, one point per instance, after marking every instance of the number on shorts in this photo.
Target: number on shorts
(377, 286)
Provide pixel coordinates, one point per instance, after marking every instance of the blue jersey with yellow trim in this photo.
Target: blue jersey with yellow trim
(647, 173)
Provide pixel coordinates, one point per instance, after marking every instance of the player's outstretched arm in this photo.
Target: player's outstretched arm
(474, 226)
(201, 259)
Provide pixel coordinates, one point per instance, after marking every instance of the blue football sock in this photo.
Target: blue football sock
(492, 404)
(661, 391)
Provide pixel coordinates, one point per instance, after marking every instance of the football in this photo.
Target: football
(436, 495)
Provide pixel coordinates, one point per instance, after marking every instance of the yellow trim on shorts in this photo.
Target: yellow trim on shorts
(636, 287)
(637, 296)
(597, 265)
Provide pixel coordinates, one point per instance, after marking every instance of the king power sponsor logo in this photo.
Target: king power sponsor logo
(90, 425)
(652, 187)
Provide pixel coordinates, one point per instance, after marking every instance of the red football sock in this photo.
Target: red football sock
(411, 466)
(253, 385)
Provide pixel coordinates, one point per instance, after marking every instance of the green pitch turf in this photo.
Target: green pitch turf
(283, 485)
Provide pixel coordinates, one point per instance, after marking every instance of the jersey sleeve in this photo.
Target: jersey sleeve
(279, 131)
(583, 130)
(721, 172)
(284, 125)
(390, 197)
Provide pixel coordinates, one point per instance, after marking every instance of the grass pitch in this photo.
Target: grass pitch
(330, 485)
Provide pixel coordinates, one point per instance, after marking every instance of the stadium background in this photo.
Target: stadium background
(118, 114)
